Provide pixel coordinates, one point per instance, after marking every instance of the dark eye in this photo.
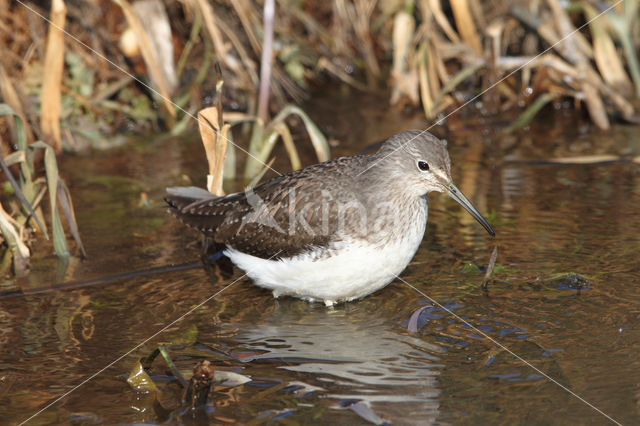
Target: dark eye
(423, 166)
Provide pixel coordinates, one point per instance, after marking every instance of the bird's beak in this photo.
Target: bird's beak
(457, 195)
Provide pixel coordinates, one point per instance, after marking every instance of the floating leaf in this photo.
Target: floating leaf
(139, 380)
(413, 321)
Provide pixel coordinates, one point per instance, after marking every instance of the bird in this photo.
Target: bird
(332, 232)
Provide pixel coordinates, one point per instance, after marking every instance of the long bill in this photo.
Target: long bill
(457, 195)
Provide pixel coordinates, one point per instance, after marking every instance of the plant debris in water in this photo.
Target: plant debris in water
(197, 391)
(492, 264)
(570, 281)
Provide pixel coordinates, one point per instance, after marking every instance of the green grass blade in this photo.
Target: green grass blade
(458, 78)
(51, 170)
(66, 205)
(528, 114)
(318, 140)
(287, 139)
(256, 145)
(229, 171)
(260, 174)
(26, 166)
(259, 158)
(15, 157)
(20, 130)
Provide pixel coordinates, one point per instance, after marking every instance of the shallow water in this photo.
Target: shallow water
(308, 363)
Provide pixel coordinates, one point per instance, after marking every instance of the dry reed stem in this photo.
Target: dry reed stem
(266, 60)
(153, 17)
(595, 106)
(403, 73)
(52, 79)
(576, 41)
(465, 24)
(212, 29)
(249, 64)
(441, 19)
(244, 11)
(605, 54)
(587, 159)
(249, 19)
(432, 69)
(147, 53)
(423, 74)
(360, 18)
(339, 29)
(553, 61)
(324, 64)
(441, 75)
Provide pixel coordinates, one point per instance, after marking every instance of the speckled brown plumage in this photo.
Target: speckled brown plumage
(259, 222)
(323, 200)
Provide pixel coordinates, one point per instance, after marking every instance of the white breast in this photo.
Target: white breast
(351, 270)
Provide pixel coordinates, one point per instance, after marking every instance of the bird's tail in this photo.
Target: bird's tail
(179, 197)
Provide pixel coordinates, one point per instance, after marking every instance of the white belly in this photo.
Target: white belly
(353, 270)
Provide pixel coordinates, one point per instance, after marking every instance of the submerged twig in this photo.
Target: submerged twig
(199, 386)
(492, 264)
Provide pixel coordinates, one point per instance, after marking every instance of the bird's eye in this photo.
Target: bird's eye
(423, 166)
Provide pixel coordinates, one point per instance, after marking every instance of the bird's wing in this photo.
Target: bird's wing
(283, 217)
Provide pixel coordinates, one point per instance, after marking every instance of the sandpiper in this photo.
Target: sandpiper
(335, 231)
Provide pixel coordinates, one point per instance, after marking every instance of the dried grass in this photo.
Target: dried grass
(52, 78)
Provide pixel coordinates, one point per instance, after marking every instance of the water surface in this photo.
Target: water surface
(309, 363)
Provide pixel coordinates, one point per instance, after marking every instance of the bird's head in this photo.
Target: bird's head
(419, 163)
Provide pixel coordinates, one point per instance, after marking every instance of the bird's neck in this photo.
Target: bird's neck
(380, 177)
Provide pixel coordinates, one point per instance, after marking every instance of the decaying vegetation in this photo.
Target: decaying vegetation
(148, 65)
(25, 212)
